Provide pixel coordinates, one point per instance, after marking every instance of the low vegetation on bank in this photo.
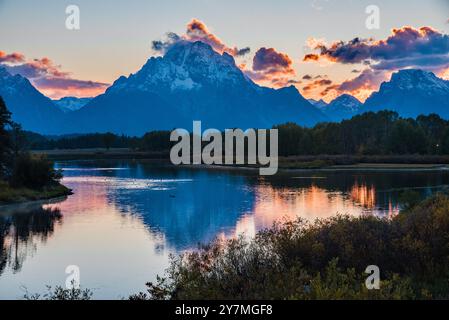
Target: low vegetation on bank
(24, 177)
(326, 259)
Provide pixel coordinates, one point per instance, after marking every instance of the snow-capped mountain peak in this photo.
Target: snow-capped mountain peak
(185, 66)
(412, 92)
(416, 79)
(12, 83)
(320, 104)
(69, 104)
(345, 101)
(343, 107)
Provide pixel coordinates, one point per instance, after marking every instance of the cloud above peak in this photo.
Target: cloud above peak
(197, 30)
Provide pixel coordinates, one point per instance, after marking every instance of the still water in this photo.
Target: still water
(126, 218)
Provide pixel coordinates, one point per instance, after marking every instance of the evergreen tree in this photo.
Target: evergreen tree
(5, 142)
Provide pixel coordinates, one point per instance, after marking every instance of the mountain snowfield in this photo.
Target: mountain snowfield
(194, 82)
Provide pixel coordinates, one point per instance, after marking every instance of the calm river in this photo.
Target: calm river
(126, 218)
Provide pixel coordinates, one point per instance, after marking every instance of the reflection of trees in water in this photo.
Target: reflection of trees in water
(368, 189)
(19, 232)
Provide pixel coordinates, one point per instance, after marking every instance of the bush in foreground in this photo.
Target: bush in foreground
(323, 260)
(60, 293)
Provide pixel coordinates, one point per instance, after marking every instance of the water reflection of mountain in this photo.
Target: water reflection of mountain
(20, 230)
(188, 206)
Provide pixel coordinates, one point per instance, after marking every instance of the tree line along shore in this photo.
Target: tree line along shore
(24, 176)
(370, 138)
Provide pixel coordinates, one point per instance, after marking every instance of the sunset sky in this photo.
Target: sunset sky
(306, 43)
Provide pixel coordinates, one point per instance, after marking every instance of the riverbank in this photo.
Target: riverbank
(331, 162)
(10, 195)
(365, 161)
(101, 154)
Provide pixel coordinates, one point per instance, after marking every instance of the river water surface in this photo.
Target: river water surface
(126, 218)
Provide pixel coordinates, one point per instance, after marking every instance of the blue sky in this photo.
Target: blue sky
(115, 36)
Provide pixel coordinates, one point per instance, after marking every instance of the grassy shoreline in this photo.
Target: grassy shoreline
(10, 195)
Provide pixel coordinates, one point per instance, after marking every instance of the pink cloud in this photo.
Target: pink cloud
(14, 57)
(49, 78)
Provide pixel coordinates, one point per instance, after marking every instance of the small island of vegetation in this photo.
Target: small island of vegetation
(23, 176)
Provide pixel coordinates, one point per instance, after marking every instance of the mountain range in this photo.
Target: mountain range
(410, 93)
(194, 82)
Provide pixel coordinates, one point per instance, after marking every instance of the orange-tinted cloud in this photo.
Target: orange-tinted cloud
(406, 47)
(198, 31)
(311, 57)
(49, 78)
(317, 84)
